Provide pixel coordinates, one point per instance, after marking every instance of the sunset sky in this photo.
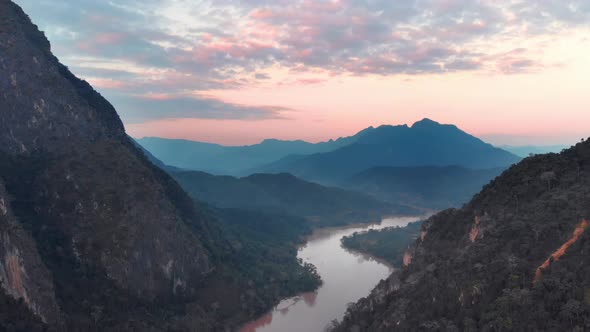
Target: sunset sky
(236, 72)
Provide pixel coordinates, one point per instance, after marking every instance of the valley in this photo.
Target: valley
(347, 276)
(122, 208)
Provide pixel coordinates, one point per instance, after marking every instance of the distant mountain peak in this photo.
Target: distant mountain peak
(425, 122)
(426, 143)
(281, 141)
(271, 140)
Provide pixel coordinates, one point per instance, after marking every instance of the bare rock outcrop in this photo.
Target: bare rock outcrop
(22, 272)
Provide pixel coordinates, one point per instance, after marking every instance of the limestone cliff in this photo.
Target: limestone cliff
(85, 218)
(22, 272)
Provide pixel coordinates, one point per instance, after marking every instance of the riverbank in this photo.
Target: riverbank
(388, 244)
(346, 277)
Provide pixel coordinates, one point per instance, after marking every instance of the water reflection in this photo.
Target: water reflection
(347, 277)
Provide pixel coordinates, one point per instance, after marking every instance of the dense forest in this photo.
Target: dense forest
(15, 316)
(388, 244)
(514, 258)
(258, 263)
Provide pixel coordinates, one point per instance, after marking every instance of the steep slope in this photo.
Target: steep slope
(425, 186)
(426, 143)
(231, 160)
(514, 258)
(22, 272)
(287, 194)
(91, 203)
(94, 236)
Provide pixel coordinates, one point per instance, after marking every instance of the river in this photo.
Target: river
(347, 276)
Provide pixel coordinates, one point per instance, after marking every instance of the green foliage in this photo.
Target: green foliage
(489, 282)
(264, 250)
(388, 244)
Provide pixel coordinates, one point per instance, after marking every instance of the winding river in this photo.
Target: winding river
(347, 276)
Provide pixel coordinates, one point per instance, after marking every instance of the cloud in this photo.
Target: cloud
(346, 36)
(133, 47)
(515, 61)
(139, 109)
(261, 76)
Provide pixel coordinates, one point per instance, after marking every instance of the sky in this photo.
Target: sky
(236, 72)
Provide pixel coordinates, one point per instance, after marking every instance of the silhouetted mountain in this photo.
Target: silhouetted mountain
(286, 194)
(426, 143)
(425, 186)
(230, 160)
(514, 258)
(94, 237)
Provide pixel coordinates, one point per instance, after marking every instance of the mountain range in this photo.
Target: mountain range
(427, 166)
(230, 160)
(425, 143)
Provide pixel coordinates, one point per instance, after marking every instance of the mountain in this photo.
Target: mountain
(526, 150)
(424, 186)
(81, 205)
(94, 237)
(426, 143)
(286, 194)
(230, 160)
(514, 258)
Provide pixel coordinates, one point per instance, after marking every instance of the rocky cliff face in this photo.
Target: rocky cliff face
(80, 206)
(22, 272)
(514, 258)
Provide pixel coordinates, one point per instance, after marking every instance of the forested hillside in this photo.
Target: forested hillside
(514, 258)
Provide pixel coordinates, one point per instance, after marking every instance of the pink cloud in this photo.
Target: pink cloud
(261, 13)
(158, 96)
(110, 38)
(102, 39)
